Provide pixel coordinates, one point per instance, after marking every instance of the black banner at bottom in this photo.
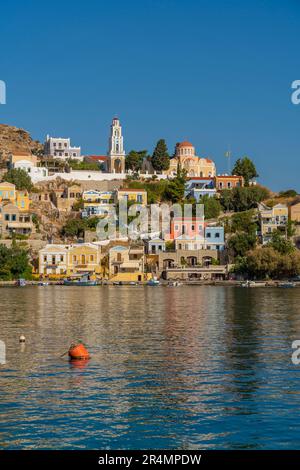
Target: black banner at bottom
(143, 458)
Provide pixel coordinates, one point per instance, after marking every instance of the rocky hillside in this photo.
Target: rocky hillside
(13, 139)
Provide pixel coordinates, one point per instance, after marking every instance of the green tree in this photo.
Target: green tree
(243, 198)
(20, 178)
(280, 244)
(212, 207)
(288, 193)
(88, 166)
(14, 263)
(74, 228)
(134, 160)
(160, 159)
(241, 243)
(243, 222)
(246, 168)
(226, 200)
(174, 191)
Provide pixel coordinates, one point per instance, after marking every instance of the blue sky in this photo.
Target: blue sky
(216, 73)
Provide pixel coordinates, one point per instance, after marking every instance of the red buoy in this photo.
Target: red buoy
(78, 351)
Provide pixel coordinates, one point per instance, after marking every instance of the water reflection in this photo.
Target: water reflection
(193, 367)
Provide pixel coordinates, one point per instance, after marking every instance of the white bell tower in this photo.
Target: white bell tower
(116, 152)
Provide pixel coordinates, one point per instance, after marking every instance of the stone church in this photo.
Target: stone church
(195, 166)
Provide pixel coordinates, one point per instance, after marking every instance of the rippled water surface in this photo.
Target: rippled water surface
(188, 367)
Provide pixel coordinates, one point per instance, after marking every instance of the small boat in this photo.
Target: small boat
(286, 285)
(42, 283)
(21, 283)
(80, 280)
(174, 284)
(117, 283)
(253, 284)
(153, 282)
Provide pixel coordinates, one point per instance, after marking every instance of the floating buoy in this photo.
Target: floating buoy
(22, 339)
(78, 351)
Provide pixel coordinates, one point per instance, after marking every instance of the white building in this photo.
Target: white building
(53, 259)
(58, 147)
(116, 152)
(28, 163)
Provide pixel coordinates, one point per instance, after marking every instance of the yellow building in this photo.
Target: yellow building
(9, 193)
(22, 200)
(187, 160)
(83, 258)
(96, 203)
(21, 156)
(271, 219)
(127, 264)
(138, 196)
(65, 260)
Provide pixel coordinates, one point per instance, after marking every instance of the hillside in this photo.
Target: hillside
(14, 139)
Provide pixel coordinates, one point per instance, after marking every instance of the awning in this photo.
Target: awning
(130, 265)
(19, 225)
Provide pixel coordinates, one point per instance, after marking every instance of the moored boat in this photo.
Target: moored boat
(153, 282)
(286, 285)
(80, 280)
(253, 284)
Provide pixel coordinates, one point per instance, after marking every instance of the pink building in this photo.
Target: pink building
(191, 227)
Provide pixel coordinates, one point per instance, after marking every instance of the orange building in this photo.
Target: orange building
(229, 182)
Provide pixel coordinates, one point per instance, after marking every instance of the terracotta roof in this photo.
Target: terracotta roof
(97, 157)
(184, 144)
(27, 154)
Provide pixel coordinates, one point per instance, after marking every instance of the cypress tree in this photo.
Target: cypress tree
(160, 158)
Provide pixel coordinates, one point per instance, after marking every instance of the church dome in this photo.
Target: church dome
(184, 144)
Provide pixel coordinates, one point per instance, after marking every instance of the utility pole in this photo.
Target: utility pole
(228, 155)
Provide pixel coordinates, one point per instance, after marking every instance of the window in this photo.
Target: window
(7, 217)
(217, 235)
(208, 235)
(53, 259)
(217, 247)
(74, 154)
(13, 217)
(61, 258)
(193, 227)
(45, 258)
(91, 258)
(139, 198)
